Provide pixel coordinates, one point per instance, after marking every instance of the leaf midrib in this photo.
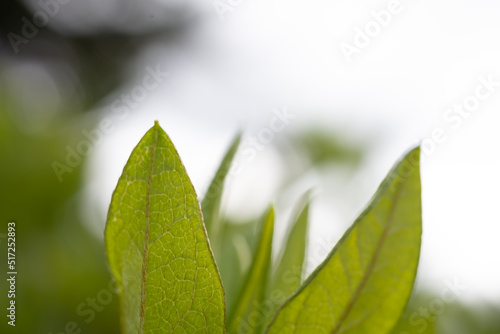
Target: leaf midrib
(146, 234)
(371, 265)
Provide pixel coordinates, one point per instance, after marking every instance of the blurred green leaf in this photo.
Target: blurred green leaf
(235, 259)
(322, 146)
(157, 246)
(477, 318)
(431, 312)
(246, 316)
(365, 282)
(212, 201)
(287, 277)
(60, 263)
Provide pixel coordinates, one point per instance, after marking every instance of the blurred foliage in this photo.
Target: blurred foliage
(239, 245)
(429, 313)
(89, 56)
(61, 266)
(63, 276)
(322, 147)
(319, 149)
(473, 318)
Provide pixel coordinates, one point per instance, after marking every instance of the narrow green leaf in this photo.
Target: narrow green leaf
(287, 277)
(157, 246)
(212, 200)
(236, 257)
(365, 282)
(246, 316)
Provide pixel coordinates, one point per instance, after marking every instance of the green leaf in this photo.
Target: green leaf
(236, 257)
(157, 246)
(246, 316)
(212, 200)
(365, 282)
(287, 278)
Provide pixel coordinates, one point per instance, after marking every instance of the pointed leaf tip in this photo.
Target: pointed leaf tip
(365, 282)
(157, 246)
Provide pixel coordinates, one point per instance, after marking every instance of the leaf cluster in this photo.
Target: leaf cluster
(181, 267)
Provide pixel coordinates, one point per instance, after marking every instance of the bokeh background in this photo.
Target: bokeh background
(356, 84)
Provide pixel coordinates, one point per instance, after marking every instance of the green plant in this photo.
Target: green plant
(168, 280)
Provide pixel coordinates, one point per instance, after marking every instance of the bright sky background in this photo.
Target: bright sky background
(267, 54)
